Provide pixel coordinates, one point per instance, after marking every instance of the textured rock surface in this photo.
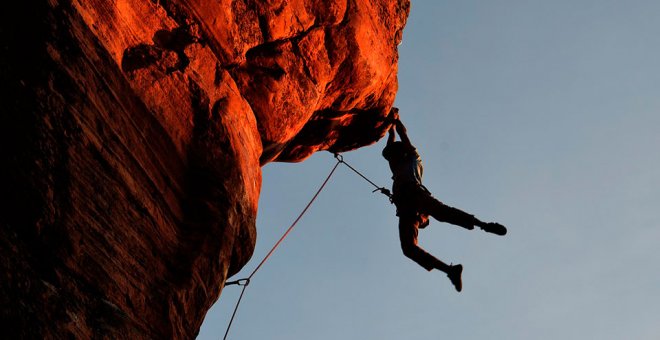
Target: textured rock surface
(132, 136)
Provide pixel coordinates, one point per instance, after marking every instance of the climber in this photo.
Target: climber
(414, 203)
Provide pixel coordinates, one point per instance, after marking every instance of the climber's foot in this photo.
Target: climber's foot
(454, 274)
(494, 228)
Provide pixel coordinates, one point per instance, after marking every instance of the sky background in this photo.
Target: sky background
(541, 115)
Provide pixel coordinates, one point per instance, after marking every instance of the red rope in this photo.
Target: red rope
(245, 282)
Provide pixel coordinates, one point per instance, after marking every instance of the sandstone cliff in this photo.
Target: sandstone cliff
(132, 136)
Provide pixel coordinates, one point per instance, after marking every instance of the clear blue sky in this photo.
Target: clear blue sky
(542, 115)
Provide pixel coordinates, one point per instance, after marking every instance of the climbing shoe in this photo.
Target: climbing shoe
(494, 228)
(454, 275)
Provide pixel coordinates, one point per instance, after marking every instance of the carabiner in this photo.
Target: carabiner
(240, 282)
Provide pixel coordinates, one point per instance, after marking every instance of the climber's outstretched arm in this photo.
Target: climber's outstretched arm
(401, 130)
(391, 138)
(392, 118)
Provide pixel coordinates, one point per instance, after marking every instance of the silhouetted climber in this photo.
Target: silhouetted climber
(414, 203)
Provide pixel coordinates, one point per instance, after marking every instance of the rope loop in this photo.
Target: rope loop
(339, 157)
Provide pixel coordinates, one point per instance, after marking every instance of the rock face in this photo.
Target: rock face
(132, 139)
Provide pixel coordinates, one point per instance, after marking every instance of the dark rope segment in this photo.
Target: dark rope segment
(382, 190)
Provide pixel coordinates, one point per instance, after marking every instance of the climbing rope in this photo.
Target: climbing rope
(246, 281)
(382, 190)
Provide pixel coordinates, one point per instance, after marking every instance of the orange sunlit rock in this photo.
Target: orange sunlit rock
(133, 138)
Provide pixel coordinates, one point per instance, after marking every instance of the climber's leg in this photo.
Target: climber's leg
(444, 213)
(408, 229)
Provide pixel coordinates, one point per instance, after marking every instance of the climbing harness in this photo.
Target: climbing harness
(245, 282)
